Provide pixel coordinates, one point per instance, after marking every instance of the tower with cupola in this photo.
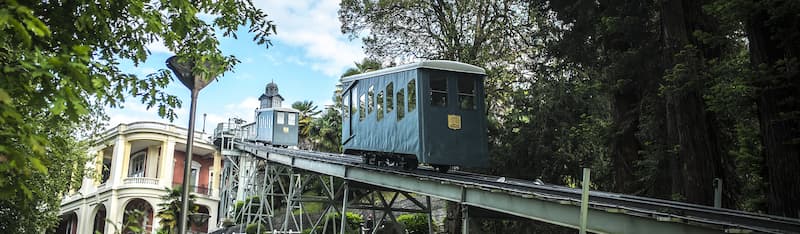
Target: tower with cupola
(270, 98)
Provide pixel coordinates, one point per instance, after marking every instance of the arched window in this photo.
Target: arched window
(389, 97)
(400, 105)
(412, 95)
(380, 105)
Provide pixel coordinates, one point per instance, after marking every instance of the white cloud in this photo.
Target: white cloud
(134, 111)
(249, 103)
(314, 26)
(158, 46)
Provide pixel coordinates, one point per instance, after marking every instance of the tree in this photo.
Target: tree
(530, 134)
(307, 112)
(326, 131)
(171, 209)
(366, 65)
(60, 69)
(772, 27)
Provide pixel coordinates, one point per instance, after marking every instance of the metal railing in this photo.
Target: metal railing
(201, 190)
(141, 180)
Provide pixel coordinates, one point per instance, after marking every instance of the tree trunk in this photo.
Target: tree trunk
(692, 129)
(625, 146)
(452, 222)
(777, 112)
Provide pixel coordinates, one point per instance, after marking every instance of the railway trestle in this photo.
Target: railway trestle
(285, 199)
(291, 191)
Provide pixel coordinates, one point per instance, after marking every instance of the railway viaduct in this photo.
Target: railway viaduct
(279, 178)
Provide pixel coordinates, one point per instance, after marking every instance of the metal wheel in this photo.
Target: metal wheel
(442, 168)
(409, 163)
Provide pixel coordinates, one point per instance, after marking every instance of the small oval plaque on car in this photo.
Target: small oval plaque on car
(454, 122)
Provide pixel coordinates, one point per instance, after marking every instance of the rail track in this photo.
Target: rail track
(731, 221)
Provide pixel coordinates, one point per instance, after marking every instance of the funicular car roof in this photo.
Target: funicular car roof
(445, 65)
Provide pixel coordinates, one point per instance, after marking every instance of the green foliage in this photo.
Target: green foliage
(253, 228)
(353, 222)
(60, 70)
(619, 87)
(307, 112)
(253, 203)
(326, 131)
(131, 223)
(415, 223)
(170, 209)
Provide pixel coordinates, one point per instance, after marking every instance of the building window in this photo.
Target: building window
(193, 180)
(400, 105)
(466, 94)
(106, 170)
(412, 95)
(195, 177)
(438, 94)
(380, 106)
(137, 164)
(210, 179)
(281, 118)
(276, 102)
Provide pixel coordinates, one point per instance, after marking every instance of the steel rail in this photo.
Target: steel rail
(662, 210)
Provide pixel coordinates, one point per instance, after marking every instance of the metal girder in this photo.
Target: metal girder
(559, 213)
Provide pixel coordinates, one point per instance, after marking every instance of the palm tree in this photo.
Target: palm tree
(171, 208)
(307, 112)
(366, 65)
(327, 131)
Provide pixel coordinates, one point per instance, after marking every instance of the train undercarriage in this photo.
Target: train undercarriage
(383, 159)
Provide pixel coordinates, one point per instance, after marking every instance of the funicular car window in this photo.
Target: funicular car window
(389, 97)
(370, 100)
(291, 120)
(466, 94)
(412, 95)
(438, 94)
(361, 107)
(346, 105)
(354, 102)
(379, 101)
(400, 105)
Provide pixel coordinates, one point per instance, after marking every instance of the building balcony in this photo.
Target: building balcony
(200, 190)
(141, 181)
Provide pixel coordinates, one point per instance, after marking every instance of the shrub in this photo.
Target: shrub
(252, 228)
(415, 223)
(353, 220)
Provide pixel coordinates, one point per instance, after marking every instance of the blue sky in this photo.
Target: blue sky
(306, 58)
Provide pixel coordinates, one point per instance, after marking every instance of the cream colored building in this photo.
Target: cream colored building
(133, 164)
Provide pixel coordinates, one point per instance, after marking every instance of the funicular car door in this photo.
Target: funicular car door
(349, 102)
(453, 117)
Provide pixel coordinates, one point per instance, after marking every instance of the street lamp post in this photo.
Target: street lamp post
(195, 82)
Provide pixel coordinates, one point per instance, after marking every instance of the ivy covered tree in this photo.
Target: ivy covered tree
(60, 69)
